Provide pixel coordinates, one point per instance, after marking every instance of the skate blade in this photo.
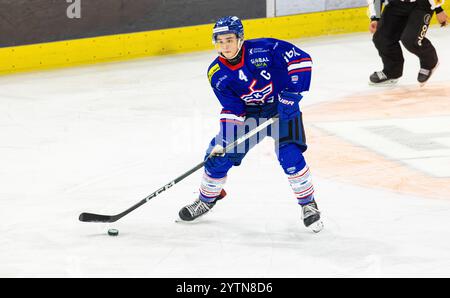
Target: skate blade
(189, 222)
(385, 83)
(180, 221)
(317, 226)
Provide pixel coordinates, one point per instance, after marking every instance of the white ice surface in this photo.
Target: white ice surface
(100, 138)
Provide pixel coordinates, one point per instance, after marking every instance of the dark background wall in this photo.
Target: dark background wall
(35, 21)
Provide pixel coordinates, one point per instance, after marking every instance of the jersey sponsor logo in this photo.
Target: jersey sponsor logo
(257, 96)
(257, 50)
(220, 80)
(259, 60)
(259, 65)
(212, 71)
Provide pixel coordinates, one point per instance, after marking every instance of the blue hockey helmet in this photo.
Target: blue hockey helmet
(226, 25)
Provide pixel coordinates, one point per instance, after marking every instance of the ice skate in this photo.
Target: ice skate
(311, 217)
(379, 78)
(425, 74)
(198, 208)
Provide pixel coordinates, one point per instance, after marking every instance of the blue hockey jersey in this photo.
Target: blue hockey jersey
(267, 67)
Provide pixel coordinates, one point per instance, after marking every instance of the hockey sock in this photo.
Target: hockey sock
(210, 188)
(301, 183)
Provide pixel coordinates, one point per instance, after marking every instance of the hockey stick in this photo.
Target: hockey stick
(91, 217)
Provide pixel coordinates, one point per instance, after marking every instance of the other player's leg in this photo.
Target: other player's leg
(387, 41)
(414, 39)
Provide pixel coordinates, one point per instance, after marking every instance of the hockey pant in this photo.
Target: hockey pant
(290, 143)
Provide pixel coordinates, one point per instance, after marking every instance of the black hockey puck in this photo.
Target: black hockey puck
(113, 232)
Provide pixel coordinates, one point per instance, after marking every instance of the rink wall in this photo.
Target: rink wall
(277, 8)
(113, 47)
(25, 22)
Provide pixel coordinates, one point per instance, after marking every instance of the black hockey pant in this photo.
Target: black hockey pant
(409, 23)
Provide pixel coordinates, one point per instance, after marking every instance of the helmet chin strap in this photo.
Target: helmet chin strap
(240, 43)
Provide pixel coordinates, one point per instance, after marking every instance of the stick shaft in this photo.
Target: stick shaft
(91, 217)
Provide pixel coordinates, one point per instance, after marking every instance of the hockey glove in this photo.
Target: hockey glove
(288, 107)
(218, 150)
(216, 157)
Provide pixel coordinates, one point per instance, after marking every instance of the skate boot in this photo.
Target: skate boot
(425, 74)
(198, 208)
(311, 216)
(379, 78)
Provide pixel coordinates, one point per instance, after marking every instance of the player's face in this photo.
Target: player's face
(227, 44)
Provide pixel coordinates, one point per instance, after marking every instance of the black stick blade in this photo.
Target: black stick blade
(91, 217)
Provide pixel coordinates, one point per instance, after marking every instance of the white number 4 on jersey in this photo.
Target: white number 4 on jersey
(242, 76)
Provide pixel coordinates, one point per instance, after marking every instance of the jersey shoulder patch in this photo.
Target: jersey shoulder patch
(218, 75)
(212, 70)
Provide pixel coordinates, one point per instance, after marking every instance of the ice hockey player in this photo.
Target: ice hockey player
(255, 80)
(406, 21)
